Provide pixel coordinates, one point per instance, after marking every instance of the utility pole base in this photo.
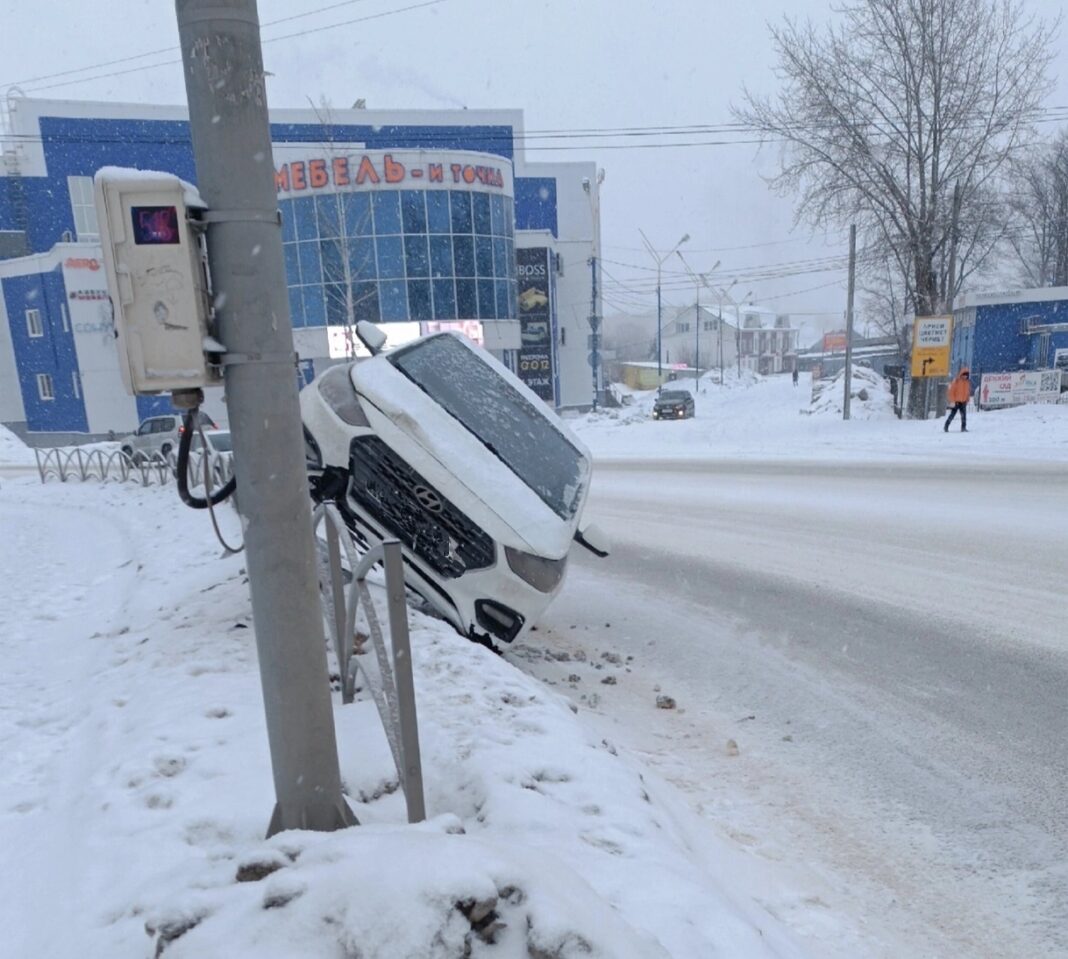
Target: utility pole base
(320, 817)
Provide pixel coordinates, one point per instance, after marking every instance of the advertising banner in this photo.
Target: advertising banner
(1014, 389)
(537, 360)
(931, 338)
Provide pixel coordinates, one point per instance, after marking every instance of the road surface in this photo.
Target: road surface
(887, 646)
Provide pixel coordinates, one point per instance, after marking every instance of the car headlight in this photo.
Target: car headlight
(541, 573)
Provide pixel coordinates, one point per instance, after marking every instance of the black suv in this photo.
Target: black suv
(673, 405)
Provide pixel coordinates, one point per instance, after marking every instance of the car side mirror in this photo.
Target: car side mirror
(371, 336)
(594, 539)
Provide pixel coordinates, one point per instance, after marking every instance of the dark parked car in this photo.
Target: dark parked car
(673, 405)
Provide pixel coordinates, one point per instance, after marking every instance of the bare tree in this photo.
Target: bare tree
(1040, 204)
(883, 115)
(338, 245)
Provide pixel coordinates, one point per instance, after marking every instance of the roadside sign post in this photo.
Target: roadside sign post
(932, 337)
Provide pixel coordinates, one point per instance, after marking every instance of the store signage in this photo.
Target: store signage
(1014, 389)
(472, 329)
(537, 358)
(931, 337)
(351, 171)
(88, 295)
(81, 263)
(834, 342)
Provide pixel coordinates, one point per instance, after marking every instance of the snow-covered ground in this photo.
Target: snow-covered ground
(137, 783)
(769, 417)
(13, 452)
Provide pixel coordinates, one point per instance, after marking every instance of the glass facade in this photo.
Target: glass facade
(399, 255)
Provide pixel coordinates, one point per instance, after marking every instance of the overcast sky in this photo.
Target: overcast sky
(568, 64)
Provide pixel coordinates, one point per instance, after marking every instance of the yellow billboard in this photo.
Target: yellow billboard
(931, 339)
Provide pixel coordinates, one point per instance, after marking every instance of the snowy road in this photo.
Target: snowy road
(888, 647)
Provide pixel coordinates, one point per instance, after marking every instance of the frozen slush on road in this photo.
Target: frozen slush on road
(439, 445)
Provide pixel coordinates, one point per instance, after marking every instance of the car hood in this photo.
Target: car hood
(428, 438)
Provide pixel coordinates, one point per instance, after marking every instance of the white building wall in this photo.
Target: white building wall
(107, 404)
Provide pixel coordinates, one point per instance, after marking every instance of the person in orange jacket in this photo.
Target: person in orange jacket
(960, 391)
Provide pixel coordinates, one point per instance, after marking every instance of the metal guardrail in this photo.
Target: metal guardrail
(388, 674)
(67, 464)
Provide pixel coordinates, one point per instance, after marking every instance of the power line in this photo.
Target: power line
(264, 41)
(153, 53)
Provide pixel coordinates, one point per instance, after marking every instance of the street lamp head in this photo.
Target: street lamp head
(685, 238)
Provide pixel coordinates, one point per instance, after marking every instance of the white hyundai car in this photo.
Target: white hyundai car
(440, 446)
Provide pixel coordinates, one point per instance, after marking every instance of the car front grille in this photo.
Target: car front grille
(407, 506)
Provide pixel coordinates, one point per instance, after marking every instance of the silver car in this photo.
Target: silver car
(158, 437)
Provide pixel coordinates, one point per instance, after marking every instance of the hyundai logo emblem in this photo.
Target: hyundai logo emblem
(428, 499)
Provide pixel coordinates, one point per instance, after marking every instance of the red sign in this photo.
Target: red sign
(834, 342)
(81, 263)
(345, 171)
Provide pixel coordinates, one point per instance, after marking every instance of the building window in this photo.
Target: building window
(407, 255)
(83, 207)
(75, 382)
(684, 327)
(66, 318)
(45, 389)
(34, 326)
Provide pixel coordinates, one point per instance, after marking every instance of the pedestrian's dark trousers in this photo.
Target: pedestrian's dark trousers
(962, 408)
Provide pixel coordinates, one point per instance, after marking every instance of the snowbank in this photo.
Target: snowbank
(870, 396)
(13, 452)
(138, 784)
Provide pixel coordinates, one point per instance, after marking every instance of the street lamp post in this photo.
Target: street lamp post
(738, 331)
(659, 260)
(723, 294)
(698, 280)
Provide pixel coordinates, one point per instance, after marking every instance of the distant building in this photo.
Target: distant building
(827, 357)
(762, 338)
(645, 375)
(417, 220)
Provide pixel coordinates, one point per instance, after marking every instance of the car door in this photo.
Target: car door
(141, 441)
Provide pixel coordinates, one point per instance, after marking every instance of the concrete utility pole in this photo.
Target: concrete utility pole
(593, 191)
(595, 326)
(224, 80)
(849, 321)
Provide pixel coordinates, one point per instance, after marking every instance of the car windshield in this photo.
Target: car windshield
(220, 441)
(675, 396)
(508, 424)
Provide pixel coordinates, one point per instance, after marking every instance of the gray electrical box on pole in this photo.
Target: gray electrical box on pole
(228, 123)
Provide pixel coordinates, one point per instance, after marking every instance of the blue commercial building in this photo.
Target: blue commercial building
(995, 334)
(415, 219)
